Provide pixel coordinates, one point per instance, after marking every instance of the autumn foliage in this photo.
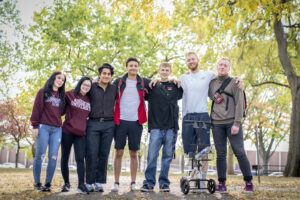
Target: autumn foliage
(14, 125)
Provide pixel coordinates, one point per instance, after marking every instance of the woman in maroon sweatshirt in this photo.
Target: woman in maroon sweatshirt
(48, 107)
(74, 131)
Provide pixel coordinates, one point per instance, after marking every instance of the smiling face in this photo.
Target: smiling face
(223, 67)
(85, 87)
(132, 68)
(164, 71)
(192, 62)
(59, 81)
(105, 76)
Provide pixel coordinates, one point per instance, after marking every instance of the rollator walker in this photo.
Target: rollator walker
(201, 153)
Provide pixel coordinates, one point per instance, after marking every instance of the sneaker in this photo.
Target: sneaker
(221, 187)
(133, 186)
(83, 189)
(249, 187)
(147, 188)
(47, 188)
(116, 187)
(98, 187)
(89, 187)
(164, 188)
(38, 186)
(65, 187)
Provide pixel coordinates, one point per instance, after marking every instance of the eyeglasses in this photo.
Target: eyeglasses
(86, 85)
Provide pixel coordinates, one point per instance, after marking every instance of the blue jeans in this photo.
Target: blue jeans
(48, 135)
(189, 134)
(157, 139)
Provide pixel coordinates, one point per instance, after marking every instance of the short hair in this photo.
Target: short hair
(165, 64)
(132, 59)
(191, 53)
(224, 58)
(106, 66)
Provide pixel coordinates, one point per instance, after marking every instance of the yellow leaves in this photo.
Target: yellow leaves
(154, 18)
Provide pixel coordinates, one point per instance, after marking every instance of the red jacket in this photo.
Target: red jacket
(142, 87)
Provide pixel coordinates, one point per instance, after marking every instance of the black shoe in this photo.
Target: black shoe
(47, 188)
(164, 188)
(147, 188)
(65, 187)
(38, 186)
(83, 189)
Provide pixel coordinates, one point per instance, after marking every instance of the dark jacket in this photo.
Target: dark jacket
(163, 107)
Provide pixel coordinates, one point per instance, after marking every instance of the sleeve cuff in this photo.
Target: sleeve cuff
(35, 126)
(238, 124)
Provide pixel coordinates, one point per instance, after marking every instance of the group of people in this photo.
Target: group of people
(98, 112)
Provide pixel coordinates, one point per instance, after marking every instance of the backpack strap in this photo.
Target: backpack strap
(220, 91)
(119, 86)
(143, 86)
(224, 85)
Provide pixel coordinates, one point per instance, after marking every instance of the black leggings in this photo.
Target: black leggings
(79, 149)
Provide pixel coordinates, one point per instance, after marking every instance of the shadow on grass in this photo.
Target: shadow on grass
(137, 195)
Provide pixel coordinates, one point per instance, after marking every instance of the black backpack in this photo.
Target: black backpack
(221, 91)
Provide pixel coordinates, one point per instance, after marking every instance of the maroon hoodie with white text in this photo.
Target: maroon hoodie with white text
(77, 111)
(46, 112)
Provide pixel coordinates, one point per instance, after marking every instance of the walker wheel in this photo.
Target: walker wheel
(211, 186)
(184, 185)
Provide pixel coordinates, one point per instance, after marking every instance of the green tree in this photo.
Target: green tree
(270, 113)
(225, 25)
(10, 50)
(77, 36)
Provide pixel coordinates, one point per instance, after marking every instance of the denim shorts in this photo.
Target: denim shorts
(189, 137)
(131, 129)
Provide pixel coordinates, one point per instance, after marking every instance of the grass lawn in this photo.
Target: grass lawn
(18, 184)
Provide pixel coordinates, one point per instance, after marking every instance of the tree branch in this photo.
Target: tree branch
(292, 26)
(155, 72)
(269, 82)
(92, 70)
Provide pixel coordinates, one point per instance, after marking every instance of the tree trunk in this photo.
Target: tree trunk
(293, 161)
(265, 165)
(17, 155)
(230, 161)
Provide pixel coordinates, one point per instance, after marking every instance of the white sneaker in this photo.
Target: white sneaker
(89, 187)
(98, 187)
(133, 186)
(116, 187)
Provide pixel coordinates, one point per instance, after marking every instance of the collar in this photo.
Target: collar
(138, 78)
(222, 78)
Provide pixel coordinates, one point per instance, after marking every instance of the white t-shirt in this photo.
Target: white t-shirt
(130, 102)
(195, 91)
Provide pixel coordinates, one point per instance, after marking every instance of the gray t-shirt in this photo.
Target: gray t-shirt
(195, 91)
(130, 102)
